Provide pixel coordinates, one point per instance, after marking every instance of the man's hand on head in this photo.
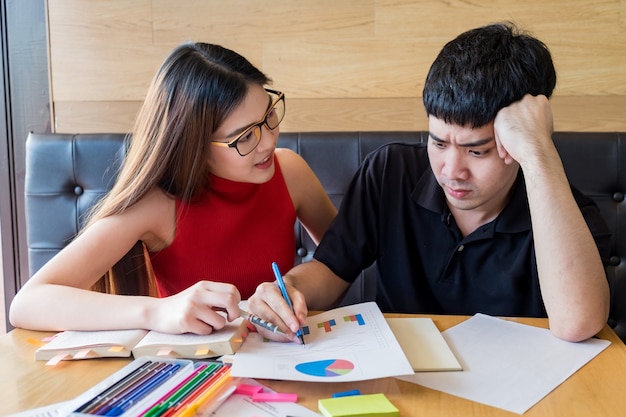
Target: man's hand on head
(523, 129)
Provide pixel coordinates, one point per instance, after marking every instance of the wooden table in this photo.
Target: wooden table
(597, 389)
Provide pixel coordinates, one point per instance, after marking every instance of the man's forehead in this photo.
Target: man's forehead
(441, 131)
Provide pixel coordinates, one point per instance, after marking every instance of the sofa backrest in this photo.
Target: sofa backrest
(66, 174)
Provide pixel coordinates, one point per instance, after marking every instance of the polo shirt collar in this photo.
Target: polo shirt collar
(513, 219)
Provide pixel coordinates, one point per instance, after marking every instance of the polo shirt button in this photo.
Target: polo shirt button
(460, 248)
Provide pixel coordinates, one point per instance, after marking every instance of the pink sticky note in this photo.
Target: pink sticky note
(245, 389)
(164, 352)
(82, 354)
(269, 397)
(58, 358)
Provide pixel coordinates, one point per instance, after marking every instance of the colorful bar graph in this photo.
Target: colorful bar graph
(355, 317)
(327, 325)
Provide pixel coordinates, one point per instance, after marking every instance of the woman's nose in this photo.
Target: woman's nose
(269, 138)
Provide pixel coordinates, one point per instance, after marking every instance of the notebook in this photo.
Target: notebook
(423, 344)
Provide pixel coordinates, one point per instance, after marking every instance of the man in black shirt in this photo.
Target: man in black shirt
(479, 219)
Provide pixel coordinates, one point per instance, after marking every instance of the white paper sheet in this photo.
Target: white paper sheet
(52, 410)
(507, 365)
(351, 343)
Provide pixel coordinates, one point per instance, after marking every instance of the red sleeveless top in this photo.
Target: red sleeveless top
(231, 233)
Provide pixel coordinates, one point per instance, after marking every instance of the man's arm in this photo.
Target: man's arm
(571, 275)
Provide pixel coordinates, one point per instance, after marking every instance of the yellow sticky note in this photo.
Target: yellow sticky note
(116, 348)
(371, 405)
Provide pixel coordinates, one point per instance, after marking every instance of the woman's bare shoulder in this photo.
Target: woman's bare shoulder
(156, 211)
(291, 162)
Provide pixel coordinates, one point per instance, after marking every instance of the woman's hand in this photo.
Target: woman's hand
(198, 309)
(268, 303)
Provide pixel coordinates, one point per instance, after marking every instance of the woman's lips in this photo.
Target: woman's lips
(266, 163)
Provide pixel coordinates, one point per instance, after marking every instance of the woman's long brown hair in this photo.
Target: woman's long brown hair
(195, 89)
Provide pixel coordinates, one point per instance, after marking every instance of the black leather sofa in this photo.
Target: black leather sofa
(66, 174)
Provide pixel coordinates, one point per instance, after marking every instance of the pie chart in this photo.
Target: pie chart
(326, 368)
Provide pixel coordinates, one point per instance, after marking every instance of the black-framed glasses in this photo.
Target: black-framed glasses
(249, 139)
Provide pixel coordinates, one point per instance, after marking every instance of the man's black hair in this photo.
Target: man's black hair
(484, 70)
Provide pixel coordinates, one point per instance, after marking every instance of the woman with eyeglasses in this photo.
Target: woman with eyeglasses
(203, 204)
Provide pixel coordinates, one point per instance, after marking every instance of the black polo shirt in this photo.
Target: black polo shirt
(395, 213)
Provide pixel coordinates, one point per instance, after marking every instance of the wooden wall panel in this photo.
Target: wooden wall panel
(102, 51)
(347, 68)
(247, 20)
(343, 65)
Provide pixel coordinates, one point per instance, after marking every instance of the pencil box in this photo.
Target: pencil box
(153, 386)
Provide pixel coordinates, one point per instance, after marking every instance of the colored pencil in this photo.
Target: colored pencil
(214, 378)
(182, 390)
(125, 388)
(210, 398)
(137, 393)
(101, 399)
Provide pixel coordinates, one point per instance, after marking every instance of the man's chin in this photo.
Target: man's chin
(464, 204)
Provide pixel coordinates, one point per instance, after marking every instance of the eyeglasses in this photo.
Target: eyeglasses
(248, 140)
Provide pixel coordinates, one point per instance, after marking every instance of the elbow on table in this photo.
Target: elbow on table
(15, 317)
(577, 330)
(22, 314)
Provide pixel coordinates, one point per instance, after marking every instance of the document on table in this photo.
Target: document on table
(53, 410)
(507, 365)
(351, 343)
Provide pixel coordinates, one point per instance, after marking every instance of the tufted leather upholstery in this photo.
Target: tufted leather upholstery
(66, 174)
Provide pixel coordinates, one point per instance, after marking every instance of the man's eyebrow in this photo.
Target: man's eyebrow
(434, 137)
(476, 143)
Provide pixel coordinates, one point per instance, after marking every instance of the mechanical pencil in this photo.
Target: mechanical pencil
(260, 322)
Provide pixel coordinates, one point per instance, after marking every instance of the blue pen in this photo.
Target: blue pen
(283, 290)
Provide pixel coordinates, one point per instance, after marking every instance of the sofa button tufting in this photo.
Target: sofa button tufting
(618, 197)
(614, 261)
(302, 252)
(78, 190)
